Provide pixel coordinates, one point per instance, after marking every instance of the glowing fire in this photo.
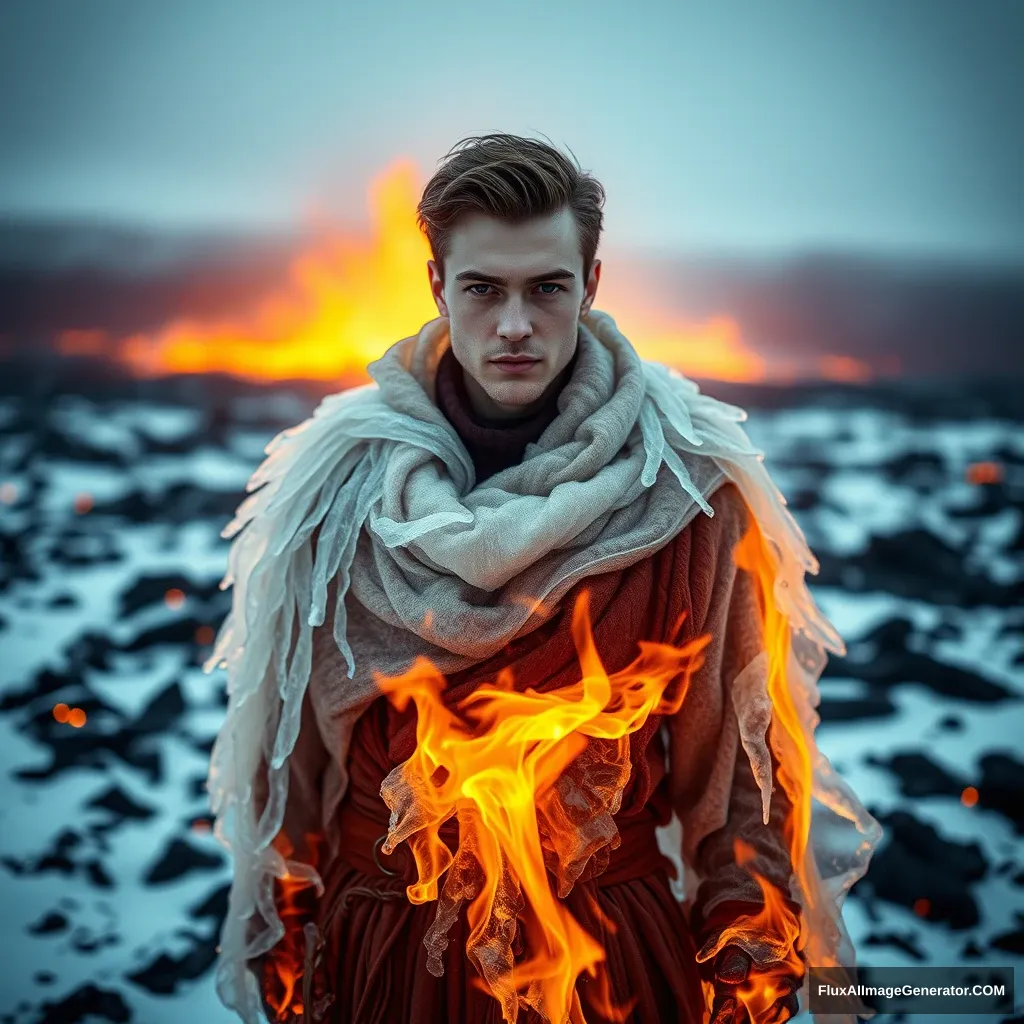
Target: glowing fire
(348, 297)
(495, 762)
(285, 966)
(774, 929)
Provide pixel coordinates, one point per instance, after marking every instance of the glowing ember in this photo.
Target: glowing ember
(174, 598)
(984, 473)
(8, 493)
(497, 762)
(348, 297)
(74, 717)
(922, 907)
(205, 636)
(83, 503)
(969, 797)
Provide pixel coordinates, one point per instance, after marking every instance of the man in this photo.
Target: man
(513, 455)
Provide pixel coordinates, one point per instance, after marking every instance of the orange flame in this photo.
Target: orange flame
(286, 961)
(774, 930)
(795, 772)
(350, 296)
(495, 762)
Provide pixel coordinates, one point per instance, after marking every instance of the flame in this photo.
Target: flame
(349, 296)
(495, 763)
(286, 961)
(775, 931)
(774, 927)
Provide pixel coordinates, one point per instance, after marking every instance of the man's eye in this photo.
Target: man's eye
(551, 284)
(472, 286)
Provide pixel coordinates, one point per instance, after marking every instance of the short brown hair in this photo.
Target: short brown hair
(512, 178)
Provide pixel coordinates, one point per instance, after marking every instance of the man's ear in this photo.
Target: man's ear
(590, 289)
(437, 287)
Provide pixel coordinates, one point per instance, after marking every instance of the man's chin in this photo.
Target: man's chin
(516, 397)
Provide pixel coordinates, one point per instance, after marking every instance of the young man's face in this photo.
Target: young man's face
(513, 290)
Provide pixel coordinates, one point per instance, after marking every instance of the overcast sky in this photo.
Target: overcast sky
(892, 127)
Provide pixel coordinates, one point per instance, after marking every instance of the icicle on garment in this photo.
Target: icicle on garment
(426, 563)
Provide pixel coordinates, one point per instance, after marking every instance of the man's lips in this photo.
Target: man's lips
(517, 365)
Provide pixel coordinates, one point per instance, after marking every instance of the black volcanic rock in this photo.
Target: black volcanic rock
(121, 805)
(918, 864)
(180, 503)
(1002, 787)
(215, 905)
(918, 775)
(84, 1006)
(919, 566)
(889, 661)
(1010, 942)
(905, 942)
(163, 711)
(165, 973)
(79, 546)
(179, 859)
(50, 923)
(857, 709)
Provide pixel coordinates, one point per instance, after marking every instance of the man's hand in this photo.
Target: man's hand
(733, 968)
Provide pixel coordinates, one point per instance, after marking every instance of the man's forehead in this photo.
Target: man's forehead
(521, 249)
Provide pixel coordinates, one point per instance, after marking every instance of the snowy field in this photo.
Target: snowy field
(111, 503)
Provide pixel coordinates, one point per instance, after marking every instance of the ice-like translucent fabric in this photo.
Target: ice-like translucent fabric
(427, 563)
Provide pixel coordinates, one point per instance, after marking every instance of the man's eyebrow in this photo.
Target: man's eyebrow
(552, 275)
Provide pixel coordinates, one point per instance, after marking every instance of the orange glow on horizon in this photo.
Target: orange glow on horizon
(346, 298)
(845, 369)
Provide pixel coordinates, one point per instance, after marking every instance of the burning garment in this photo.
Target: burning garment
(423, 562)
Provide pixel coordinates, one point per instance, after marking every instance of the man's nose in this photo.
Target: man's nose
(513, 323)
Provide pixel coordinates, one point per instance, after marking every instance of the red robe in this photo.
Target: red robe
(372, 965)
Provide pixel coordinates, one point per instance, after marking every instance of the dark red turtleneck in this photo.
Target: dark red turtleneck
(493, 445)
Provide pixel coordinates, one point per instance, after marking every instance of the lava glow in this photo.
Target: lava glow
(347, 297)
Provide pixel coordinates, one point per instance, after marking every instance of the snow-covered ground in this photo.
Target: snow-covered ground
(113, 887)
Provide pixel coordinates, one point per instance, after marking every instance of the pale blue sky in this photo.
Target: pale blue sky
(892, 127)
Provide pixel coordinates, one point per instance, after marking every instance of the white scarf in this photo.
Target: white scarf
(425, 562)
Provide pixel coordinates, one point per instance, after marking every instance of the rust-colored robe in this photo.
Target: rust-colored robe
(372, 966)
